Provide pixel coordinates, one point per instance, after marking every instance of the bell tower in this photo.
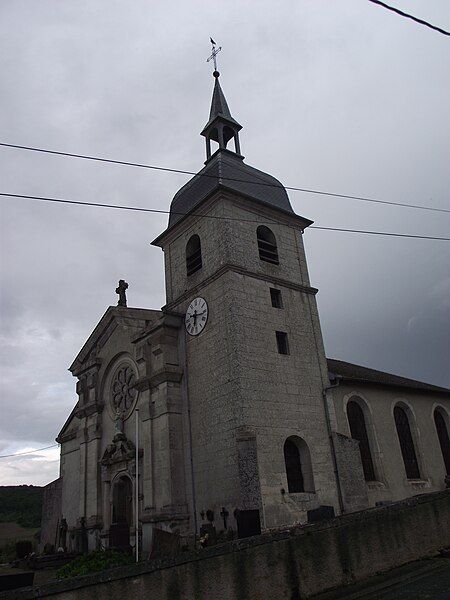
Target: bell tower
(257, 423)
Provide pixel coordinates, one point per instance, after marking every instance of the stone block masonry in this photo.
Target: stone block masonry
(292, 563)
(51, 510)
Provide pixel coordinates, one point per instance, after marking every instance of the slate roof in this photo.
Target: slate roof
(219, 107)
(349, 372)
(219, 104)
(227, 170)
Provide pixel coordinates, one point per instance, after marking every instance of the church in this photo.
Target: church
(220, 412)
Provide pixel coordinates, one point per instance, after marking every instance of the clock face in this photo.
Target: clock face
(196, 316)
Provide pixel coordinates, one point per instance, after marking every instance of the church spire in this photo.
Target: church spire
(219, 104)
(221, 127)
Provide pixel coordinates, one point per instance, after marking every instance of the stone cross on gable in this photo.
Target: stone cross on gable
(121, 290)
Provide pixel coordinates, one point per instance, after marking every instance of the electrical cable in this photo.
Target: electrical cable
(29, 451)
(408, 16)
(183, 172)
(154, 210)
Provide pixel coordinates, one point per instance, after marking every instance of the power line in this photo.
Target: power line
(166, 212)
(123, 207)
(406, 235)
(183, 172)
(408, 16)
(29, 451)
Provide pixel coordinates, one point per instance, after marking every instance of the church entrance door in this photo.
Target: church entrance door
(122, 514)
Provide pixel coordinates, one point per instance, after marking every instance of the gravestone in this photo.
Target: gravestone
(165, 543)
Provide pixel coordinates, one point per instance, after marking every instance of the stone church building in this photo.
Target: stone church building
(243, 423)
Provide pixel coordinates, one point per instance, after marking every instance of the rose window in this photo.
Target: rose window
(123, 392)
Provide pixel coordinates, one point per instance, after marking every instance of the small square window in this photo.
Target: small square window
(282, 342)
(275, 296)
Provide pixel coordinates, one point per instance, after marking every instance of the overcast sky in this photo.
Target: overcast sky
(337, 96)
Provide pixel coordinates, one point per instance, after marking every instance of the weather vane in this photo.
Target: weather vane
(215, 52)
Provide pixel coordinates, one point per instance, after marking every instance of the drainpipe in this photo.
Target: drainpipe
(188, 404)
(332, 445)
(86, 447)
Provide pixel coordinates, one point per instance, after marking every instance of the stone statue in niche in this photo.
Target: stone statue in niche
(118, 421)
(122, 291)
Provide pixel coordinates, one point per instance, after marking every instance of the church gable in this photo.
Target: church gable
(135, 319)
(69, 429)
(108, 353)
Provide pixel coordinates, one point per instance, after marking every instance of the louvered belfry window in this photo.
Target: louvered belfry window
(441, 429)
(358, 432)
(193, 255)
(267, 245)
(406, 443)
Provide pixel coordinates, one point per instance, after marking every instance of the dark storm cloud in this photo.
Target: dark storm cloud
(335, 96)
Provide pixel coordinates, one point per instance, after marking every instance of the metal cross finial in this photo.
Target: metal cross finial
(215, 52)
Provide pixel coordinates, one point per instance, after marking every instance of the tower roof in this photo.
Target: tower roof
(227, 170)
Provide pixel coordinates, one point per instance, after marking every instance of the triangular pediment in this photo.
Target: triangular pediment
(69, 429)
(115, 316)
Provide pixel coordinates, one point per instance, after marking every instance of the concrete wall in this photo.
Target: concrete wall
(294, 563)
(378, 406)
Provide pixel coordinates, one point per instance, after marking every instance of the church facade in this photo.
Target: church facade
(240, 420)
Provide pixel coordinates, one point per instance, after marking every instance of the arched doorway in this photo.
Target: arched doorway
(122, 513)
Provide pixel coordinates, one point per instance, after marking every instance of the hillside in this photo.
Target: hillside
(21, 504)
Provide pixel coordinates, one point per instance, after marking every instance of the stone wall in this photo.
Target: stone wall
(377, 403)
(293, 563)
(51, 513)
(351, 475)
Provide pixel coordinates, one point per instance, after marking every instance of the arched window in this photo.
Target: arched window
(444, 441)
(267, 245)
(297, 460)
(406, 443)
(193, 255)
(358, 432)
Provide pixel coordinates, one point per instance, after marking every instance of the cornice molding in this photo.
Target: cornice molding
(88, 409)
(66, 437)
(241, 199)
(242, 271)
(168, 320)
